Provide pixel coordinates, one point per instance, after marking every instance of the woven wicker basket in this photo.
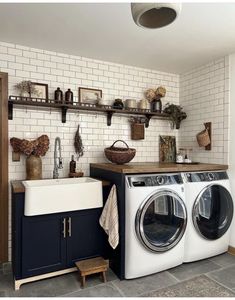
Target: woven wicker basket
(203, 138)
(119, 155)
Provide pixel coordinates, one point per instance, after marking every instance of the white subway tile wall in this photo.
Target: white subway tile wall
(68, 71)
(204, 95)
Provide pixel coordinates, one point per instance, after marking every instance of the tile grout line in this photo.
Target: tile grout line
(118, 289)
(87, 288)
(178, 280)
(221, 284)
(221, 269)
(215, 263)
(82, 289)
(170, 285)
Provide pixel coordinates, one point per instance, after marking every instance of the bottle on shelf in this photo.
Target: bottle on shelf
(72, 165)
(69, 97)
(58, 95)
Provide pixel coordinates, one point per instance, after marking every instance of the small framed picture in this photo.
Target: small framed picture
(86, 95)
(167, 148)
(40, 90)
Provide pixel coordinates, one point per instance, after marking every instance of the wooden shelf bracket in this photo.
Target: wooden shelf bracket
(148, 118)
(109, 118)
(64, 113)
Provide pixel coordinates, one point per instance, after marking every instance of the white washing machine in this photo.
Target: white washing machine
(156, 219)
(210, 212)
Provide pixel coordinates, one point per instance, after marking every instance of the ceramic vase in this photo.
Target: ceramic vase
(33, 167)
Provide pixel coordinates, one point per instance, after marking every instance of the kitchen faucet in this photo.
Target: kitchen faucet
(58, 165)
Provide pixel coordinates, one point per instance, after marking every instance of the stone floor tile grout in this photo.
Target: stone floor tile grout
(220, 269)
(225, 286)
(178, 280)
(86, 288)
(171, 285)
(118, 289)
(123, 293)
(231, 264)
(220, 266)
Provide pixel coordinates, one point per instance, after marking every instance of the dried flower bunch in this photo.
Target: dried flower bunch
(152, 94)
(38, 147)
(78, 145)
(26, 86)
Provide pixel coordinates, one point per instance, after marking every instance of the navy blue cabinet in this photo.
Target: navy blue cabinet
(43, 245)
(85, 236)
(49, 243)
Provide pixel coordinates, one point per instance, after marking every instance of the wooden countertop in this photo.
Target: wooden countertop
(18, 187)
(156, 167)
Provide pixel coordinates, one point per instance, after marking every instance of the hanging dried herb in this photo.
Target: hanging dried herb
(78, 144)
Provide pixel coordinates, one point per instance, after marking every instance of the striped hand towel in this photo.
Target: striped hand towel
(109, 218)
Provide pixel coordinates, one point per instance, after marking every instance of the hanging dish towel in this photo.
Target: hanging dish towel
(109, 218)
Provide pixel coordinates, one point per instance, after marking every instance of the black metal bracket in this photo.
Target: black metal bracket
(109, 118)
(10, 111)
(148, 117)
(64, 112)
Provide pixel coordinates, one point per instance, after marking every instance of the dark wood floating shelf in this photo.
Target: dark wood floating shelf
(64, 107)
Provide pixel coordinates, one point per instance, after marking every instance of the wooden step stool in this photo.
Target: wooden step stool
(92, 266)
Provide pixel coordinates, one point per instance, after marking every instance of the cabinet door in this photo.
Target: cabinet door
(43, 244)
(85, 238)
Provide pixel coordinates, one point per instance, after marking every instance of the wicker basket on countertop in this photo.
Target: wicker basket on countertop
(119, 155)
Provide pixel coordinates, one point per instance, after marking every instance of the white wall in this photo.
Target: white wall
(67, 71)
(231, 134)
(204, 95)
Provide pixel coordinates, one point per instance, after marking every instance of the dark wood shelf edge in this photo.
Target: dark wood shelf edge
(38, 102)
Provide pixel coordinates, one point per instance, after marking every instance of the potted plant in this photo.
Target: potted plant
(154, 97)
(176, 114)
(33, 150)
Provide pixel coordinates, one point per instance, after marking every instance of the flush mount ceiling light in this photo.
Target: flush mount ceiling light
(154, 15)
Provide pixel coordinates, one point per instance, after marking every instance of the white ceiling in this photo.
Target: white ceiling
(202, 32)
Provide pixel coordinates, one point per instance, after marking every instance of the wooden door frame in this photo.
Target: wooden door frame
(3, 167)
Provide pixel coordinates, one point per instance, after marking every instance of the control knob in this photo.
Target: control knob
(160, 180)
(211, 176)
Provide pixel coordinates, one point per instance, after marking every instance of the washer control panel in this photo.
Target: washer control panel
(205, 176)
(154, 180)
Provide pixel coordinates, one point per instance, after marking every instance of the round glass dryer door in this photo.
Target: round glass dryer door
(213, 212)
(161, 221)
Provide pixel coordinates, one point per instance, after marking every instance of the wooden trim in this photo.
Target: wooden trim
(156, 167)
(231, 250)
(3, 167)
(19, 282)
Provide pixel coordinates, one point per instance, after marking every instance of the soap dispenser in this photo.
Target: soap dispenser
(72, 165)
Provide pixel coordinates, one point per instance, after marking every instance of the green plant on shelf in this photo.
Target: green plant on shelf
(176, 114)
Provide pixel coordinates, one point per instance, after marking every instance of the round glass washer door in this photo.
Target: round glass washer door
(213, 212)
(161, 221)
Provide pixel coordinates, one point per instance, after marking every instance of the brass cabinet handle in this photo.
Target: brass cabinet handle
(64, 228)
(70, 226)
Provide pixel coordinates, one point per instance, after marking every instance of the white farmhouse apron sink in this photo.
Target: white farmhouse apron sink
(60, 195)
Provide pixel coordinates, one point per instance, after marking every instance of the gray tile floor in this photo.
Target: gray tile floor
(221, 269)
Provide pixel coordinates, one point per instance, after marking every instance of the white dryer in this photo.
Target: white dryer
(210, 213)
(155, 223)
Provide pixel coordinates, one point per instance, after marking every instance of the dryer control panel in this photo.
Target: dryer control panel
(205, 176)
(154, 180)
